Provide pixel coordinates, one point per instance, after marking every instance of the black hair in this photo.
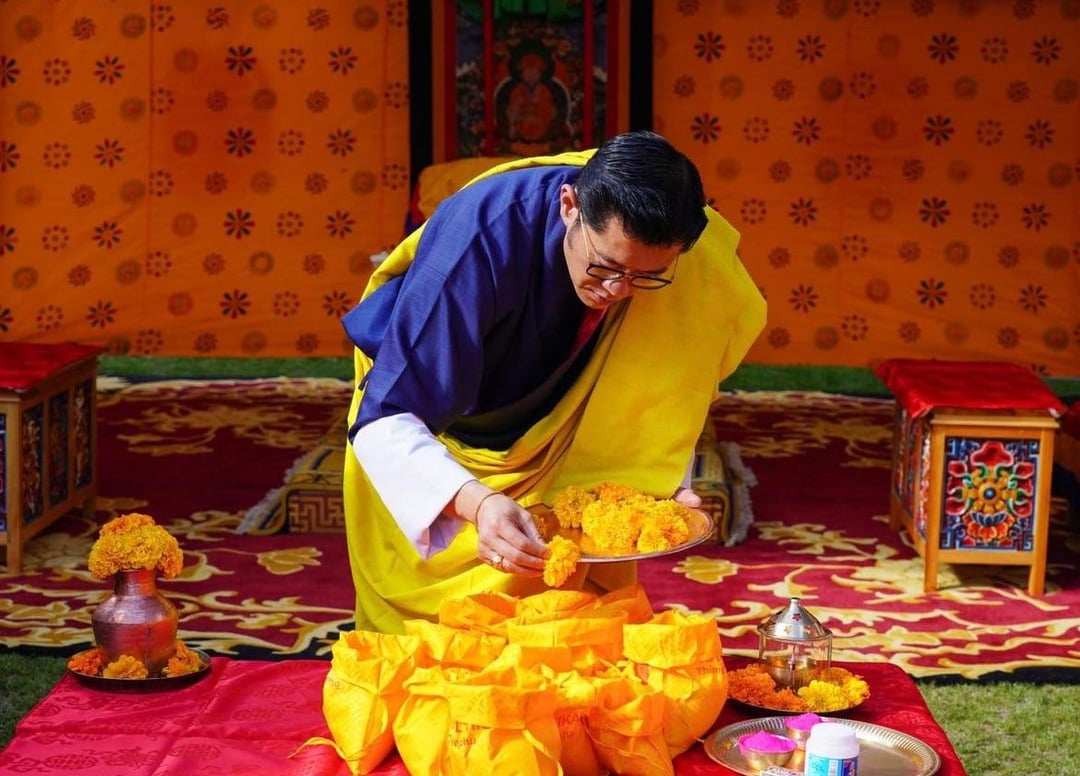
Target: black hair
(653, 190)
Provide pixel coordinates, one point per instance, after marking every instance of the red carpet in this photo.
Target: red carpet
(197, 455)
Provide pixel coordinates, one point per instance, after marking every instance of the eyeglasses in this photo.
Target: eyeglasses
(640, 280)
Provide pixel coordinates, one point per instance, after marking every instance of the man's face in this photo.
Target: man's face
(606, 266)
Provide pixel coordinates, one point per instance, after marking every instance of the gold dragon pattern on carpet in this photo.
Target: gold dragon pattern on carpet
(234, 595)
(858, 575)
(198, 454)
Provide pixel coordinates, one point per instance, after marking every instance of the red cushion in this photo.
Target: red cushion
(921, 385)
(23, 364)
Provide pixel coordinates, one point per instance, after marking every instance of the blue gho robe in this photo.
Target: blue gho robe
(476, 338)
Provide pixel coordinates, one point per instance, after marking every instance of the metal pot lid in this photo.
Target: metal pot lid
(794, 623)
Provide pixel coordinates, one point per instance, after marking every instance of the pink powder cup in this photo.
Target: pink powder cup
(763, 749)
(798, 728)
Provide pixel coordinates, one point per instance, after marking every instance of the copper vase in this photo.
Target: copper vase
(136, 620)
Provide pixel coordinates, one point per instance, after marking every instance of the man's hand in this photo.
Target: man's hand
(508, 537)
(687, 497)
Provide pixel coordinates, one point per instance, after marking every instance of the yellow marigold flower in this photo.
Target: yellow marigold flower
(824, 696)
(568, 504)
(125, 667)
(562, 561)
(134, 541)
(652, 539)
(856, 690)
(183, 661)
(854, 686)
(611, 526)
(614, 492)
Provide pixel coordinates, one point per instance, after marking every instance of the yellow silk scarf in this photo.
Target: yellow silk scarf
(632, 416)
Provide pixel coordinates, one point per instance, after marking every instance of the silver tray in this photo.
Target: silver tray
(882, 751)
(699, 522)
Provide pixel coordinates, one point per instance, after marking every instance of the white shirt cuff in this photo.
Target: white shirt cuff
(415, 476)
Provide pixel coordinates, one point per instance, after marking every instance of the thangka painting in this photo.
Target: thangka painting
(527, 93)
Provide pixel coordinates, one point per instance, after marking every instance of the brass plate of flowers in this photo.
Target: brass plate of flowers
(149, 684)
(700, 524)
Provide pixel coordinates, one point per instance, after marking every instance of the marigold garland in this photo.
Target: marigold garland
(134, 541)
(835, 690)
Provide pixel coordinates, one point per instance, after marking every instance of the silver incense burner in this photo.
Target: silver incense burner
(793, 646)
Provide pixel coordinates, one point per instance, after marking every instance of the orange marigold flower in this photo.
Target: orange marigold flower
(125, 523)
(125, 667)
(562, 561)
(134, 541)
(183, 661)
(87, 663)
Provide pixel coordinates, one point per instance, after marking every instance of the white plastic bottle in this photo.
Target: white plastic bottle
(832, 750)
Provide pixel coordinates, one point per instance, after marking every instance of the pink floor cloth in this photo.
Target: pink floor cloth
(249, 717)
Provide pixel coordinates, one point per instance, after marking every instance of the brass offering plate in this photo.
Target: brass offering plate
(882, 751)
(790, 712)
(150, 683)
(700, 524)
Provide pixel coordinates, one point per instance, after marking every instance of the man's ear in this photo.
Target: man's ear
(568, 205)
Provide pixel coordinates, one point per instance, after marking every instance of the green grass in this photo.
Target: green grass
(1006, 729)
(997, 729)
(25, 680)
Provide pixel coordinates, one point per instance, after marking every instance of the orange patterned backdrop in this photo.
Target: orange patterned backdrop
(210, 178)
(905, 173)
(197, 178)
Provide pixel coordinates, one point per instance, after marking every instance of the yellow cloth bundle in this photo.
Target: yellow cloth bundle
(630, 601)
(441, 645)
(594, 642)
(680, 656)
(549, 659)
(627, 727)
(576, 697)
(362, 693)
(617, 695)
(485, 612)
(553, 604)
(464, 723)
